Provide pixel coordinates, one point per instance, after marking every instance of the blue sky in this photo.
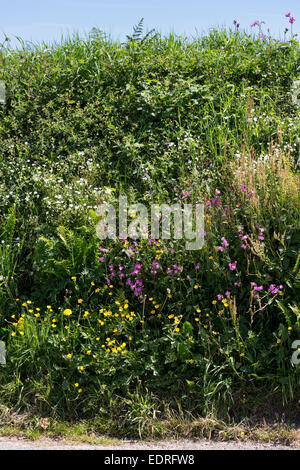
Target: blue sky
(38, 20)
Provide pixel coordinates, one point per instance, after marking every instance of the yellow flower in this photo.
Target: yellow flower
(13, 333)
(81, 367)
(278, 341)
(214, 302)
(79, 390)
(67, 312)
(191, 361)
(80, 301)
(92, 283)
(73, 278)
(69, 356)
(196, 286)
(76, 385)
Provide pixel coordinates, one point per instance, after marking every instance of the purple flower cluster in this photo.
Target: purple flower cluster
(224, 243)
(256, 287)
(232, 266)
(155, 267)
(243, 238)
(136, 269)
(176, 269)
(274, 290)
(136, 286)
(261, 232)
(291, 18)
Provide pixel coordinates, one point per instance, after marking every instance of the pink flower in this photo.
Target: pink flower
(101, 259)
(220, 248)
(288, 15)
(232, 266)
(225, 242)
(292, 20)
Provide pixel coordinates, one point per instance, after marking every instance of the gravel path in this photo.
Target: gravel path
(201, 444)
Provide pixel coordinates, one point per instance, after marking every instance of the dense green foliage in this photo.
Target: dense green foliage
(160, 119)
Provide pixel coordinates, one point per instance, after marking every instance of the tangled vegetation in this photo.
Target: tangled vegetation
(128, 328)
